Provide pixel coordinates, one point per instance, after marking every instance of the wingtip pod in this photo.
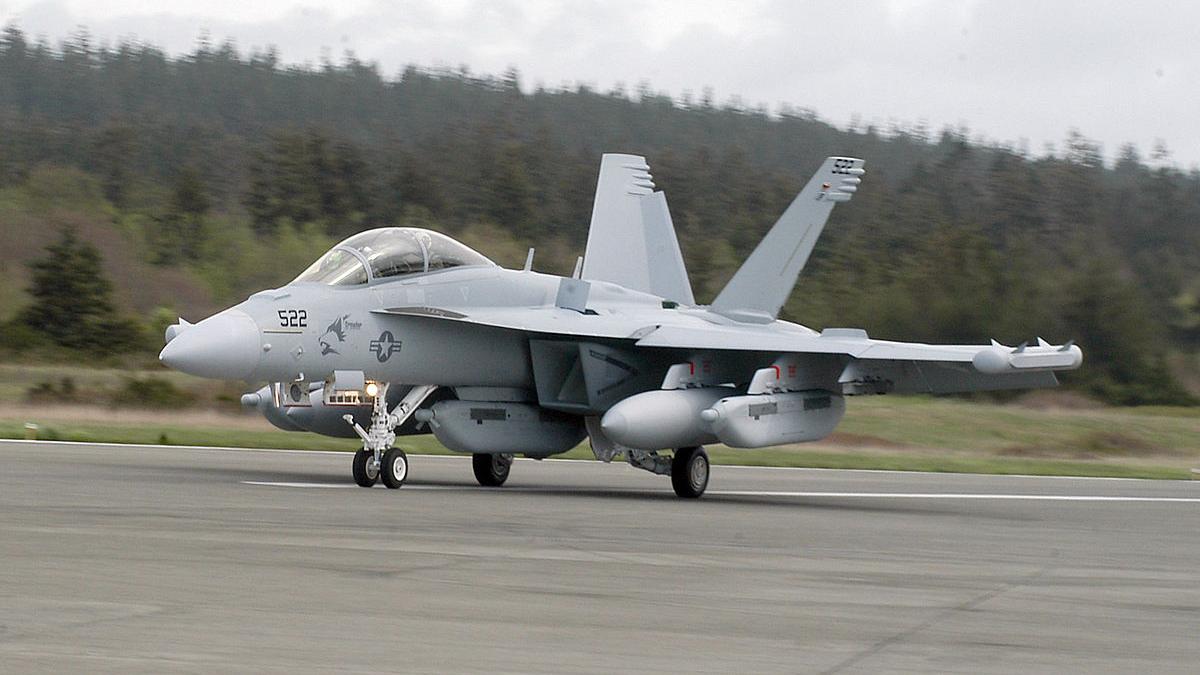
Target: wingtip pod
(998, 359)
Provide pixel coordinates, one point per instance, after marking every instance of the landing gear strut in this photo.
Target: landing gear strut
(378, 459)
(491, 470)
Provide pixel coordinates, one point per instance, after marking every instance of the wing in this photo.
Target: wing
(862, 364)
(882, 366)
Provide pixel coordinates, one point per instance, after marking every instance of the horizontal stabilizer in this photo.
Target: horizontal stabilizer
(762, 285)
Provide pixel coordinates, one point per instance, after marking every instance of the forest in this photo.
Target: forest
(187, 182)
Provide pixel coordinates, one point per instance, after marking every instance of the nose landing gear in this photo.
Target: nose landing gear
(378, 459)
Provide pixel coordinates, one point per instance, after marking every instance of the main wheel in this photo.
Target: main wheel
(394, 468)
(491, 470)
(689, 472)
(364, 469)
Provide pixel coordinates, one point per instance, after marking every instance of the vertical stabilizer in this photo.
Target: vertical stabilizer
(668, 275)
(631, 240)
(763, 283)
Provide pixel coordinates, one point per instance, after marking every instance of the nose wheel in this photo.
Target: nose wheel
(366, 471)
(394, 468)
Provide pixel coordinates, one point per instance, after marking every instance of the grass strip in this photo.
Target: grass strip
(918, 460)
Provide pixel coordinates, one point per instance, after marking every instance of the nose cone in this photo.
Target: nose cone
(224, 346)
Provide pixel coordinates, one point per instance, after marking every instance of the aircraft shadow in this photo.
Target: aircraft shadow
(601, 492)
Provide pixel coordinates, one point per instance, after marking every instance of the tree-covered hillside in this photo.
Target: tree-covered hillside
(206, 176)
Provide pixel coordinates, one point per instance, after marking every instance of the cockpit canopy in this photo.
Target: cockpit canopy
(389, 252)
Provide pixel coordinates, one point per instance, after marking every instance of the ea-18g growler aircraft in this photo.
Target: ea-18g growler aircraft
(402, 330)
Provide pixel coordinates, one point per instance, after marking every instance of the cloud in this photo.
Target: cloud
(1117, 71)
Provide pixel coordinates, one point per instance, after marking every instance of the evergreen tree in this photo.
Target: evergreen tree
(510, 194)
(307, 177)
(1126, 361)
(113, 150)
(408, 185)
(181, 229)
(72, 299)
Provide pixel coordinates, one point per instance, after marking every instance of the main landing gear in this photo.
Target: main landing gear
(491, 470)
(689, 472)
(688, 468)
(378, 460)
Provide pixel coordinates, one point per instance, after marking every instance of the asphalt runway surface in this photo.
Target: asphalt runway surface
(145, 559)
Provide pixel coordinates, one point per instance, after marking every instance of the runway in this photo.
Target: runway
(151, 559)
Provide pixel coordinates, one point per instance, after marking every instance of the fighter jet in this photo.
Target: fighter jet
(403, 330)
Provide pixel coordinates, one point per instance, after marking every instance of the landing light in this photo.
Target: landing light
(372, 389)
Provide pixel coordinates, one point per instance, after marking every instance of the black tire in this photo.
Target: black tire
(365, 473)
(394, 468)
(689, 472)
(490, 470)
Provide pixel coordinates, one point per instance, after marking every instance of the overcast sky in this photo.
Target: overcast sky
(1008, 69)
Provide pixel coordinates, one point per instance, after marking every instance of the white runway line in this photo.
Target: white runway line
(346, 485)
(954, 495)
(298, 485)
(780, 493)
(445, 488)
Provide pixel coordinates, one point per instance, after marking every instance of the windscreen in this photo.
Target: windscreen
(336, 268)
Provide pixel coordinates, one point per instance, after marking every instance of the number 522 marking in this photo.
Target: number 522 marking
(293, 318)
